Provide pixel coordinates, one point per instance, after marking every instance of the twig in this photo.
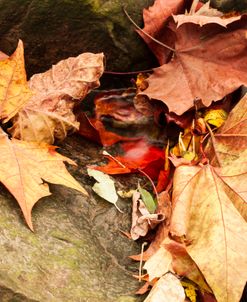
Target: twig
(141, 260)
(146, 34)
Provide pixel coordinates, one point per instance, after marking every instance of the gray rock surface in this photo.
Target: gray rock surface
(56, 29)
(77, 252)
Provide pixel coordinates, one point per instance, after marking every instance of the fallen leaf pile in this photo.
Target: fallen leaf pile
(40, 111)
(190, 204)
(199, 249)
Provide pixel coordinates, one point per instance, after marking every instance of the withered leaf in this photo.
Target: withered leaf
(24, 168)
(155, 18)
(207, 211)
(14, 90)
(205, 15)
(167, 288)
(49, 114)
(229, 143)
(203, 58)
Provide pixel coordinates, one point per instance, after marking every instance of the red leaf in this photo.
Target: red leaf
(138, 156)
(95, 130)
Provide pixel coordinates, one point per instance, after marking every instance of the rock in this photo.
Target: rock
(53, 30)
(77, 252)
(229, 5)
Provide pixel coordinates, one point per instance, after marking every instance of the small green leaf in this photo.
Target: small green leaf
(104, 187)
(147, 199)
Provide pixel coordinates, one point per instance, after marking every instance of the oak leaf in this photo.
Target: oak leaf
(49, 114)
(14, 90)
(208, 213)
(24, 168)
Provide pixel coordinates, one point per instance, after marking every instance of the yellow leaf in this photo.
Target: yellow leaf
(14, 90)
(215, 117)
(24, 168)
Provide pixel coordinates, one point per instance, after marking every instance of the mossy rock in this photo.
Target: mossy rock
(77, 252)
(56, 29)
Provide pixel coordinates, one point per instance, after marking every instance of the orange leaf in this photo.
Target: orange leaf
(14, 90)
(26, 165)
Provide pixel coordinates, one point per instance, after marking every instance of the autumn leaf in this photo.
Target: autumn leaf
(95, 130)
(203, 57)
(138, 156)
(207, 213)
(14, 90)
(167, 288)
(229, 143)
(24, 168)
(118, 105)
(49, 114)
(155, 17)
(205, 15)
(104, 187)
(142, 219)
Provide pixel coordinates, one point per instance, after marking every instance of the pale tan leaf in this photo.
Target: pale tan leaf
(207, 213)
(167, 289)
(205, 15)
(158, 264)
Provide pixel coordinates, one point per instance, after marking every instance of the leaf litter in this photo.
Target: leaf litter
(196, 223)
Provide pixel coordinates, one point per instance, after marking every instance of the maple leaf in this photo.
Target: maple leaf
(205, 15)
(229, 142)
(14, 90)
(49, 113)
(208, 213)
(25, 165)
(202, 59)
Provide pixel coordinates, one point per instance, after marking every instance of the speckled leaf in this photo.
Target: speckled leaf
(49, 114)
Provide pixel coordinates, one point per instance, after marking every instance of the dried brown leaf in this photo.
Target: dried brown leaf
(203, 58)
(155, 18)
(49, 114)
